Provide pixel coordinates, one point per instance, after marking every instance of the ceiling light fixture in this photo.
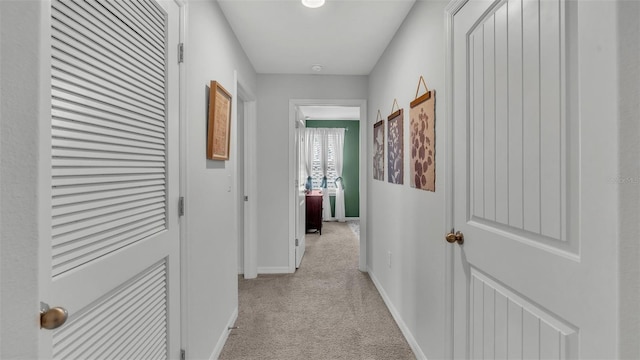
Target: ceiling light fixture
(313, 3)
(316, 67)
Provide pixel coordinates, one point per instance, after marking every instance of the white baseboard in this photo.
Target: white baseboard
(274, 270)
(224, 336)
(417, 351)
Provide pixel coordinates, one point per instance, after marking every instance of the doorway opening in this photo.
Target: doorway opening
(336, 114)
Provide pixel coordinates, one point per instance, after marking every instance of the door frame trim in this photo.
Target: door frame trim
(183, 173)
(362, 104)
(250, 241)
(450, 11)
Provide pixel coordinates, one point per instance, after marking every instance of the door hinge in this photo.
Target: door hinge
(183, 354)
(297, 242)
(181, 206)
(180, 53)
(246, 198)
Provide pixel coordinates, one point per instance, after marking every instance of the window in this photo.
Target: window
(316, 168)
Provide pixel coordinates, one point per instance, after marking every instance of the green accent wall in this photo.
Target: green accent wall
(350, 169)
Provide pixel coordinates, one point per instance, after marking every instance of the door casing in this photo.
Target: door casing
(293, 103)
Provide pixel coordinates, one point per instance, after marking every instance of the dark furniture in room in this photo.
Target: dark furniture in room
(314, 211)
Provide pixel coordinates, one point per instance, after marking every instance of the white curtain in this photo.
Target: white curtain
(309, 136)
(338, 153)
(324, 156)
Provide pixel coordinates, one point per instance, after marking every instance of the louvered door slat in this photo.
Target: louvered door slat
(62, 162)
(125, 40)
(79, 76)
(99, 96)
(153, 350)
(98, 35)
(82, 326)
(144, 14)
(141, 310)
(125, 340)
(106, 226)
(115, 68)
(64, 124)
(82, 113)
(89, 154)
(138, 142)
(86, 180)
(79, 227)
(106, 203)
(73, 219)
(64, 252)
(83, 104)
(75, 190)
(109, 86)
(142, 346)
(152, 11)
(134, 19)
(93, 334)
(106, 244)
(125, 28)
(88, 146)
(105, 171)
(108, 124)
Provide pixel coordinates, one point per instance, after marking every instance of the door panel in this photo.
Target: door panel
(526, 162)
(518, 273)
(300, 190)
(505, 325)
(114, 185)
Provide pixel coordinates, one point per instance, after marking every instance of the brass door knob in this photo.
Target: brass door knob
(53, 318)
(455, 237)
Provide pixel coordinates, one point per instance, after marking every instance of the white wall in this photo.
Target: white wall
(274, 93)
(24, 130)
(408, 222)
(212, 52)
(629, 177)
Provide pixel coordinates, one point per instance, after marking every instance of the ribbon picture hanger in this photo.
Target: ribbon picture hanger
(424, 97)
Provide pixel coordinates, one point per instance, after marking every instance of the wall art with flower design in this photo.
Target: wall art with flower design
(395, 147)
(378, 150)
(422, 138)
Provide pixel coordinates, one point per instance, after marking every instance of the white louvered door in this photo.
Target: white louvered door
(114, 251)
(524, 284)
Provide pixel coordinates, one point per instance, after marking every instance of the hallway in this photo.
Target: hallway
(326, 310)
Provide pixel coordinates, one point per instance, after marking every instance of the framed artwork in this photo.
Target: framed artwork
(219, 122)
(395, 147)
(378, 150)
(422, 138)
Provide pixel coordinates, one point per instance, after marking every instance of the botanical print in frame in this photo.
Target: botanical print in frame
(378, 150)
(219, 123)
(395, 147)
(422, 174)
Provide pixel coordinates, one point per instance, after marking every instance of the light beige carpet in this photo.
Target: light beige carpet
(326, 310)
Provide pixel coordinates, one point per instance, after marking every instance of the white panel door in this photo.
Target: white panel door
(300, 194)
(519, 280)
(112, 258)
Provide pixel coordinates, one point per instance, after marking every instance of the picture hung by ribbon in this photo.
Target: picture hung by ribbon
(395, 146)
(378, 148)
(422, 174)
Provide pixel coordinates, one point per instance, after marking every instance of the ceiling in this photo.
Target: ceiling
(325, 112)
(346, 37)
